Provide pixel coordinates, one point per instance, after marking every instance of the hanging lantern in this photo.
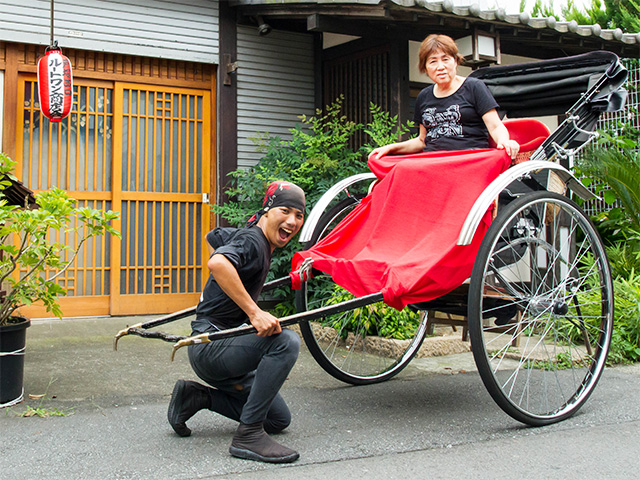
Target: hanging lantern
(55, 84)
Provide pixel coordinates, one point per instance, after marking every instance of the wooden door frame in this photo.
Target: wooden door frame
(149, 303)
(81, 305)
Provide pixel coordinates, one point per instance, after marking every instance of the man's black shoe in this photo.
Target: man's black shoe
(251, 442)
(187, 399)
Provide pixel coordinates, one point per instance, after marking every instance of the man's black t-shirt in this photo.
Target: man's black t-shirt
(250, 253)
(455, 122)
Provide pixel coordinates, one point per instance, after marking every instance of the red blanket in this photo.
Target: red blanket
(401, 240)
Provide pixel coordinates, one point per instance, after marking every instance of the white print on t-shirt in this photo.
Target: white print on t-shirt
(442, 124)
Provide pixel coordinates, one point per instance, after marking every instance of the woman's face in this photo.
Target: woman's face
(441, 67)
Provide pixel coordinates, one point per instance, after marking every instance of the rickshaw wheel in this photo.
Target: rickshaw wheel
(349, 346)
(541, 308)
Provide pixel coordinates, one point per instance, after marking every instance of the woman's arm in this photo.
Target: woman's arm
(499, 133)
(229, 281)
(414, 145)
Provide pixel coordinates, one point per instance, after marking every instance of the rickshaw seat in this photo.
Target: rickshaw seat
(401, 240)
(528, 132)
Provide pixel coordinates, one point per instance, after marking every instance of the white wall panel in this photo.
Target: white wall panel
(275, 86)
(180, 29)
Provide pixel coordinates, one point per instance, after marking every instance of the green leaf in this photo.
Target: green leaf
(610, 197)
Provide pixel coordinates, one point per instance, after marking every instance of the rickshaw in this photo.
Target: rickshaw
(510, 251)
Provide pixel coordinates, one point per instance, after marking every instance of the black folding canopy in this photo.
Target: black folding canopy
(552, 87)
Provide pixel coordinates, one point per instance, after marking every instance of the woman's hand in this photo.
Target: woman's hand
(381, 151)
(413, 145)
(511, 147)
(500, 134)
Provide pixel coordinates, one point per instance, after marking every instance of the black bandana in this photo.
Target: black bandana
(280, 194)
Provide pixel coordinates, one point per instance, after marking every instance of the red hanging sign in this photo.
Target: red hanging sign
(55, 85)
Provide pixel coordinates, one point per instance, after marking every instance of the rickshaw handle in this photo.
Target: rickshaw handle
(139, 328)
(284, 321)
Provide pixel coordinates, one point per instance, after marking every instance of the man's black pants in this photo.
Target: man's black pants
(247, 373)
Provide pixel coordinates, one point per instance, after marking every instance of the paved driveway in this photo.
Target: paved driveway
(435, 420)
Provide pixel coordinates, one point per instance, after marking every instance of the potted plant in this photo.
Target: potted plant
(31, 260)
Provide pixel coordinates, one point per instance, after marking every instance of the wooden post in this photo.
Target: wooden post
(10, 113)
(228, 102)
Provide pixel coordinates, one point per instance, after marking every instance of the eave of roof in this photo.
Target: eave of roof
(614, 39)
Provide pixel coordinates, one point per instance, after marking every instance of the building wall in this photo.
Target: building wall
(275, 85)
(179, 29)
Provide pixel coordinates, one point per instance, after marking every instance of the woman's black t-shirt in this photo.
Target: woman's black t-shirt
(455, 122)
(250, 253)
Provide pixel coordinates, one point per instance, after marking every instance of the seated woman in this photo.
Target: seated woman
(456, 113)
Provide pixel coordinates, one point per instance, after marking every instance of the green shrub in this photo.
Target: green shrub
(616, 174)
(624, 258)
(379, 319)
(625, 340)
(317, 156)
(612, 169)
(625, 344)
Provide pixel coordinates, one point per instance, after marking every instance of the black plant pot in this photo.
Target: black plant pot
(13, 338)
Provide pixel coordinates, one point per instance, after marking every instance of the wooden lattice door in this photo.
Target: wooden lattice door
(161, 187)
(74, 155)
(143, 151)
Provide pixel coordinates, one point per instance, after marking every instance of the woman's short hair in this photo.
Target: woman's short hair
(436, 42)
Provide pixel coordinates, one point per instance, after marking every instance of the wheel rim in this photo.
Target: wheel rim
(544, 313)
(353, 346)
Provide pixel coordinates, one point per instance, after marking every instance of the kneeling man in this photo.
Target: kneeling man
(244, 374)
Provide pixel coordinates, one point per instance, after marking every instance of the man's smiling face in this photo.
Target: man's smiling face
(280, 224)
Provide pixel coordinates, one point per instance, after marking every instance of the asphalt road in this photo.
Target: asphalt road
(435, 420)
